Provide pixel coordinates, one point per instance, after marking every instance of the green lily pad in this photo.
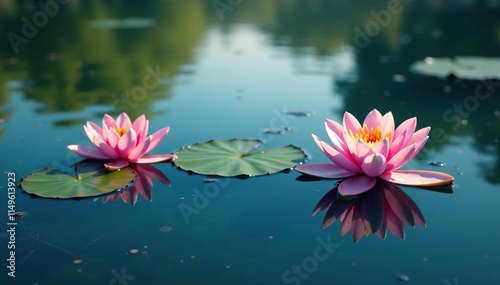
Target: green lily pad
(233, 158)
(471, 68)
(91, 179)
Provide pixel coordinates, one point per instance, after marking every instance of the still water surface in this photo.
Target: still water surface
(232, 75)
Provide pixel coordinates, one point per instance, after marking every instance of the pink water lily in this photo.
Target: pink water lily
(122, 142)
(363, 153)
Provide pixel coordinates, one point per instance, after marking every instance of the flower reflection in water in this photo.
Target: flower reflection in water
(385, 207)
(143, 184)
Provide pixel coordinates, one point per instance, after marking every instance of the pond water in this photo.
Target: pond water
(231, 69)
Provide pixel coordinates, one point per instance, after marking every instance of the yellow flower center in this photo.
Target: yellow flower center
(370, 136)
(120, 131)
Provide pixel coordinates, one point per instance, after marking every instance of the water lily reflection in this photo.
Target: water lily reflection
(385, 207)
(145, 173)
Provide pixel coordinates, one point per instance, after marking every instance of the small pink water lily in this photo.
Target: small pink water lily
(122, 141)
(373, 150)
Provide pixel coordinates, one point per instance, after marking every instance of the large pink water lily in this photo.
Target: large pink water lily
(122, 141)
(373, 150)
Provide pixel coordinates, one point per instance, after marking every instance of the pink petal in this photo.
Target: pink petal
(372, 119)
(340, 159)
(153, 158)
(324, 170)
(335, 135)
(92, 130)
(398, 161)
(382, 147)
(105, 149)
(157, 138)
(408, 126)
(140, 149)
(123, 121)
(351, 123)
(386, 123)
(374, 165)
(356, 185)
(335, 127)
(112, 137)
(398, 143)
(127, 143)
(106, 133)
(87, 152)
(418, 177)
(362, 150)
(405, 155)
(109, 121)
(419, 135)
(141, 126)
(116, 164)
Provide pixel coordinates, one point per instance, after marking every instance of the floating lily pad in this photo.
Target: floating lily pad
(472, 68)
(89, 179)
(128, 23)
(234, 157)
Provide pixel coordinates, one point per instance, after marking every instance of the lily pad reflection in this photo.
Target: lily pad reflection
(382, 208)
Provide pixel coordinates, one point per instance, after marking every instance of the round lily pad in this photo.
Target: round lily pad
(466, 67)
(234, 158)
(89, 179)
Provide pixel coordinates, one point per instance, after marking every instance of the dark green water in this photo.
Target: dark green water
(223, 74)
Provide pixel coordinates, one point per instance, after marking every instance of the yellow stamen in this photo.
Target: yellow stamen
(120, 131)
(370, 136)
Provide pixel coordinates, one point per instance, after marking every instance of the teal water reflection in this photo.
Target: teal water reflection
(209, 78)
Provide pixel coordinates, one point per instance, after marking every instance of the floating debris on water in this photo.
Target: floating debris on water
(399, 78)
(19, 214)
(278, 131)
(165, 229)
(437, 163)
(403, 277)
(273, 131)
(298, 113)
